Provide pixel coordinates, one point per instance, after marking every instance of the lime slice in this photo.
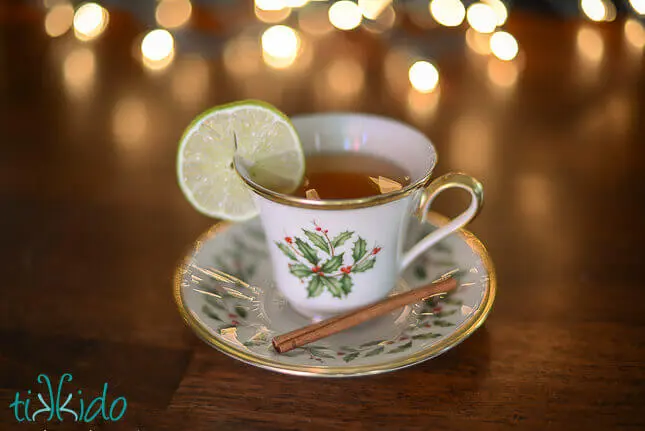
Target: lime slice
(266, 141)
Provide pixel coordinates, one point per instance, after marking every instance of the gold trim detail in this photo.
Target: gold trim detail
(464, 331)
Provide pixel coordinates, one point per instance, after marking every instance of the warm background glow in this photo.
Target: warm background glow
(503, 45)
(423, 76)
(449, 13)
(481, 17)
(59, 19)
(638, 6)
(90, 20)
(173, 13)
(635, 33)
(280, 46)
(345, 15)
(157, 49)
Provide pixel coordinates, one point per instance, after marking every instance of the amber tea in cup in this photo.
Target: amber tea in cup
(350, 175)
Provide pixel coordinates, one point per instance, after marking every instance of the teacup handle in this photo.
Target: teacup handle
(442, 183)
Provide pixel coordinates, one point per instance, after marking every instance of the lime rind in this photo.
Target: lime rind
(265, 138)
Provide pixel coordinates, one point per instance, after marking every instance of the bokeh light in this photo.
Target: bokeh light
(345, 15)
(345, 77)
(500, 10)
(422, 106)
(190, 81)
(396, 67)
(59, 19)
(270, 4)
(173, 13)
(79, 71)
(423, 76)
(481, 17)
(590, 44)
(595, 10)
(129, 123)
(314, 20)
(280, 46)
(449, 13)
(634, 33)
(502, 74)
(638, 6)
(243, 56)
(503, 45)
(371, 9)
(90, 20)
(478, 42)
(272, 16)
(385, 21)
(295, 3)
(472, 145)
(157, 49)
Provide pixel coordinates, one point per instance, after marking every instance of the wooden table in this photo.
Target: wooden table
(93, 225)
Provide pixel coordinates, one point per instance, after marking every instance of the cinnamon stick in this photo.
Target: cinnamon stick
(291, 340)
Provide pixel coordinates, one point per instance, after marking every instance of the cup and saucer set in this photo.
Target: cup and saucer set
(304, 260)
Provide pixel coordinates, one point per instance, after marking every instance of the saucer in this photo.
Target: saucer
(241, 320)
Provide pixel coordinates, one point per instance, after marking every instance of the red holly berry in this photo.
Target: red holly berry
(346, 269)
(318, 228)
(375, 250)
(288, 239)
(234, 322)
(326, 231)
(315, 269)
(232, 316)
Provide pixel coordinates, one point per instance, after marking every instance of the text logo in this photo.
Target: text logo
(61, 404)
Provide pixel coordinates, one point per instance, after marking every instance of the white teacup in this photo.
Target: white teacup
(331, 256)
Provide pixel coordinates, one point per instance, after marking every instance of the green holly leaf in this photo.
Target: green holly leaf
(372, 343)
(332, 264)
(307, 251)
(293, 353)
(401, 348)
(207, 311)
(287, 251)
(300, 270)
(375, 352)
(445, 313)
(319, 354)
(215, 302)
(315, 287)
(346, 284)
(426, 336)
(332, 285)
(318, 240)
(351, 356)
(254, 343)
(442, 323)
(359, 250)
(364, 265)
(241, 311)
(341, 238)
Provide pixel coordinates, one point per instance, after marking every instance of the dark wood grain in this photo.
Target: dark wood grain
(93, 224)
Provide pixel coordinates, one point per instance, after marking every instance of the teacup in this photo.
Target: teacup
(331, 256)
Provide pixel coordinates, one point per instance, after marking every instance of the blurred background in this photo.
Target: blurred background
(542, 100)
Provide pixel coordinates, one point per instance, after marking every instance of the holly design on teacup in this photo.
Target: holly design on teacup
(327, 262)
